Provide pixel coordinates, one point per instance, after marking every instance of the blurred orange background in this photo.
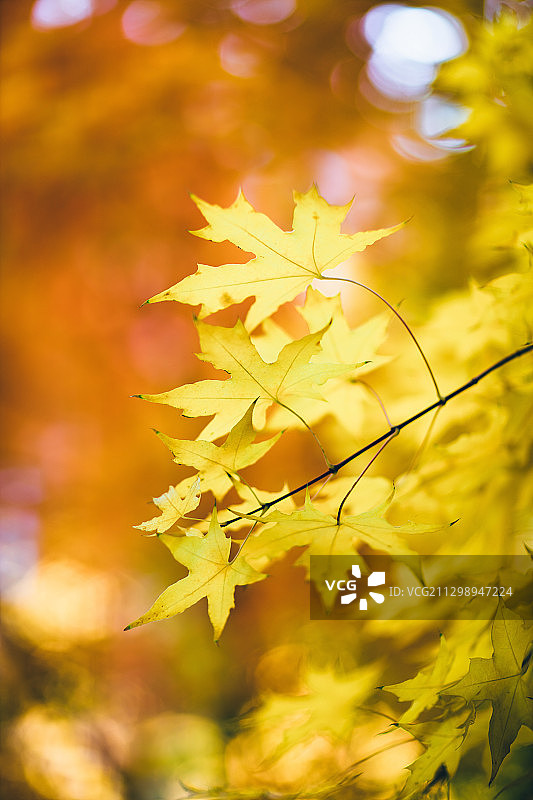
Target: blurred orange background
(113, 112)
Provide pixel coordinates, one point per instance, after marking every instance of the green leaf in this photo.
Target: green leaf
(505, 680)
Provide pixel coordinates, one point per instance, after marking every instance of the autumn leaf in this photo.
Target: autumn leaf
(505, 680)
(219, 466)
(340, 345)
(321, 534)
(174, 504)
(326, 705)
(423, 690)
(286, 262)
(287, 380)
(211, 575)
(439, 762)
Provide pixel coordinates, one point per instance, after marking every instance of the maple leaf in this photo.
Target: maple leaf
(174, 504)
(321, 535)
(423, 690)
(506, 680)
(211, 575)
(290, 378)
(340, 345)
(286, 261)
(219, 466)
(327, 706)
(439, 761)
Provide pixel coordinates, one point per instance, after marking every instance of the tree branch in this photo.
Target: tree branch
(394, 430)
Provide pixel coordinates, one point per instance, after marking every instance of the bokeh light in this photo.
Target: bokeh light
(407, 45)
(49, 14)
(59, 13)
(263, 12)
(238, 57)
(144, 22)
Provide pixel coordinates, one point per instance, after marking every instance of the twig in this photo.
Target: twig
(395, 429)
(394, 432)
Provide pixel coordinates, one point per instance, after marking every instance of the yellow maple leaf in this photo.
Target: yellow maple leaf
(174, 504)
(286, 261)
(340, 345)
(211, 575)
(321, 534)
(326, 705)
(286, 381)
(219, 466)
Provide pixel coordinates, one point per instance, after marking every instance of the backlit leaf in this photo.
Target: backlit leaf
(326, 705)
(286, 262)
(293, 376)
(423, 690)
(174, 504)
(211, 575)
(435, 767)
(218, 465)
(506, 680)
(321, 535)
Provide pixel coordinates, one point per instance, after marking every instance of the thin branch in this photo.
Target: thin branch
(394, 433)
(334, 468)
(309, 428)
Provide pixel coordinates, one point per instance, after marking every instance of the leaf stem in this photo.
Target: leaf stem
(373, 392)
(423, 444)
(232, 475)
(309, 428)
(243, 542)
(399, 316)
(394, 433)
(334, 468)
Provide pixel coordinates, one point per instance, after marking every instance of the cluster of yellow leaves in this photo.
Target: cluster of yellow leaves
(288, 381)
(325, 704)
(275, 382)
(505, 679)
(493, 81)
